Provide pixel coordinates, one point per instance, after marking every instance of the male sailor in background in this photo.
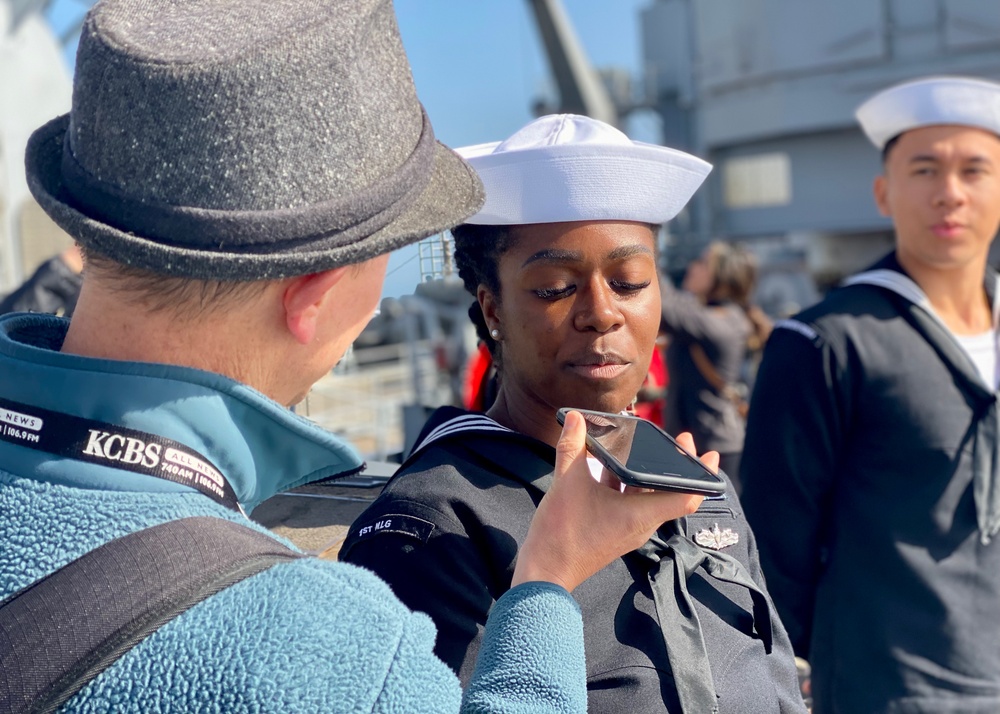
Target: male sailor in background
(877, 514)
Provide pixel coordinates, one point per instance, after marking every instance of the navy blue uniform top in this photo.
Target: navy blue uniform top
(460, 507)
(858, 481)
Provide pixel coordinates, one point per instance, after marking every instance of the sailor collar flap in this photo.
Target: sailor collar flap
(916, 309)
(522, 458)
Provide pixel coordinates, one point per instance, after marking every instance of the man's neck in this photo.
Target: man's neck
(956, 294)
(105, 328)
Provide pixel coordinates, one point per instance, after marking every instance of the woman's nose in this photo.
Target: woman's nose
(597, 309)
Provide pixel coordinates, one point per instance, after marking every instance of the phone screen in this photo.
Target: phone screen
(644, 449)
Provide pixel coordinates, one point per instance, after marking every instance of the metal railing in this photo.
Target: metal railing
(363, 400)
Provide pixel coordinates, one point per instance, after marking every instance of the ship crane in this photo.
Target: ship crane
(605, 95)
(581, 89)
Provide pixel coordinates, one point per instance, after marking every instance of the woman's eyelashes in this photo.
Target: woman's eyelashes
(623, 287)
(554, 293)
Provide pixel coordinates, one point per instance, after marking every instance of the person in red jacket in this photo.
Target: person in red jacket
(652, 396)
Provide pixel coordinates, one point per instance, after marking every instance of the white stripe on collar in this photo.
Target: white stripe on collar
(796, 326)
(906, 288)
(463, 422)
(909, 290)
(891, 280)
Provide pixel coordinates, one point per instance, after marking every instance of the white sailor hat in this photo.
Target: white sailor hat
(565, 167)
(930, 101)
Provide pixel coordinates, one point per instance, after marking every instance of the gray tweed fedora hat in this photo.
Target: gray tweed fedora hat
(245, 140)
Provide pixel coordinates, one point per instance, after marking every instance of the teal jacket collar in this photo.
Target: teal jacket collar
(261, 447)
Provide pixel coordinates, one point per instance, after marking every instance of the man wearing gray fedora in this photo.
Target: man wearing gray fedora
(236, 174)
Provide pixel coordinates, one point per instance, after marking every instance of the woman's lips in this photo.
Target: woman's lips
(600, 370)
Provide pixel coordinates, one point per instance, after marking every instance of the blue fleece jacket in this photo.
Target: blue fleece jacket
(303, 636)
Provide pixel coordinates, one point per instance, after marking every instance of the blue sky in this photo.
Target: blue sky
(479, 65)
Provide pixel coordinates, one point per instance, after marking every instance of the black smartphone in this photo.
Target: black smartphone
(639, 453)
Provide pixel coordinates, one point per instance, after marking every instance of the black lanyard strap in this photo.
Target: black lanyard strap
(117, 447)
(65, 629)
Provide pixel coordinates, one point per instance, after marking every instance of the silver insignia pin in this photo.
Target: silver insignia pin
(716, 539)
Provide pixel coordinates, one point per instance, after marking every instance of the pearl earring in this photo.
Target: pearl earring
(495, 333)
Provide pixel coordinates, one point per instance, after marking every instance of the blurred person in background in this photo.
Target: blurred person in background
(53, 288)
(652, 396)
(711, 325)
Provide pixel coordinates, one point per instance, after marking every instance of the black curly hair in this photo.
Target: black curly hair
(477, 251)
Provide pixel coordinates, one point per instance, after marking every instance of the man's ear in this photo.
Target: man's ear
(303, 298)
(880, 190)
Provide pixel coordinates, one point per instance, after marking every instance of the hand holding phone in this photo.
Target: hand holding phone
(582, 525)
(641, 454)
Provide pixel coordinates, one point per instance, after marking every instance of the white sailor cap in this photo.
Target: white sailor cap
(930, 101)
(565, 167)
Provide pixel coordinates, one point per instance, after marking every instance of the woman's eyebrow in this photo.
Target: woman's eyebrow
(554, 255)
(627, 251)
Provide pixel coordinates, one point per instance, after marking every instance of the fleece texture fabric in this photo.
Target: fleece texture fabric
(303, 636)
